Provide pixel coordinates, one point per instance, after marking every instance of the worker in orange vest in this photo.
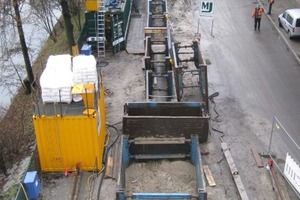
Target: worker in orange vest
(257, 14)
(270, 6)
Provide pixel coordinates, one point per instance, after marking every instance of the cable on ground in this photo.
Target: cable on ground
(105, 157)
(215, 119)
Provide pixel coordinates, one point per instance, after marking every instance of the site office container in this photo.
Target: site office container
(64, 141)
(116, 26)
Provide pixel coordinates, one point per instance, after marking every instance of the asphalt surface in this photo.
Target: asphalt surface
(292, 45)
(278, 8)
(257, 76)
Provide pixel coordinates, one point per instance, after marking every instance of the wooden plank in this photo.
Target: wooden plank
(235, 173)
(155, 30)
(242, 191)
(75, 51)
(116, 157)
(208, 175)
(257, 158)
(109, 167)
(174, 140)
(158, 39)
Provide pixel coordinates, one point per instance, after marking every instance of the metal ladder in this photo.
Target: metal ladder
(101, 29)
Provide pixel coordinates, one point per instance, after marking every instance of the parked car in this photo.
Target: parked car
(290, 22)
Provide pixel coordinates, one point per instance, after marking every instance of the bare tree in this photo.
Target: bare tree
(17, 18)
(76, 9)
(11, 15)
(10, 55)
(44, 10)
(68, 23)
(13, 137)
(2, 160)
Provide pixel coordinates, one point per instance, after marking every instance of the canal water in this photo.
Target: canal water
(12, 67)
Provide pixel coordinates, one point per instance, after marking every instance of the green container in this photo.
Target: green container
(116, 27)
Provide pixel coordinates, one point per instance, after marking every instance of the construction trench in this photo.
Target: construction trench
(163, 128)
(164, 131)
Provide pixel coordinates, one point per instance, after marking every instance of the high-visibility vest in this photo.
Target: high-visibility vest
(257, 12)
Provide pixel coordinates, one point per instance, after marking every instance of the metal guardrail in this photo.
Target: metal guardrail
(285, 153)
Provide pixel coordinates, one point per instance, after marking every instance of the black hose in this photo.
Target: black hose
(215, 119)
(105, 157)
(112, 144)
(211, 98)
(116, 123)
(218, 131)
(103, 63)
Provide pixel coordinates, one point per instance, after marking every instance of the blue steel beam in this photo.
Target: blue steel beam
(196, 160)
(123, 163)
(159, 156)
(161, 196)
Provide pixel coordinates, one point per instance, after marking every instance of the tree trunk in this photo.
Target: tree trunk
(68, 23)
(30, 76)
(2, 162)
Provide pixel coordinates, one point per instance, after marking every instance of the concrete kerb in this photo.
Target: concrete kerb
(282, 36)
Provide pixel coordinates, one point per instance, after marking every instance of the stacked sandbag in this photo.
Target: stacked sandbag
(57, 80)
(85, 70)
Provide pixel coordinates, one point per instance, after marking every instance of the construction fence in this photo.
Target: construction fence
(285, 153)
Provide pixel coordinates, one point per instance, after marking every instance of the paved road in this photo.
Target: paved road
(278, 8)
(264, 72)
(257, 75)
(293, 45)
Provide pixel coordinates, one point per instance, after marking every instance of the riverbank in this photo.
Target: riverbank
(17, 133)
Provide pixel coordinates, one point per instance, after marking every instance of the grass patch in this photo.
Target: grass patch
(11, 192)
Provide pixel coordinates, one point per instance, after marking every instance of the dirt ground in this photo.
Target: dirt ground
(161, 176)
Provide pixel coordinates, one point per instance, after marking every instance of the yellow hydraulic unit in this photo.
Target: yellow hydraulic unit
(65, 139)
